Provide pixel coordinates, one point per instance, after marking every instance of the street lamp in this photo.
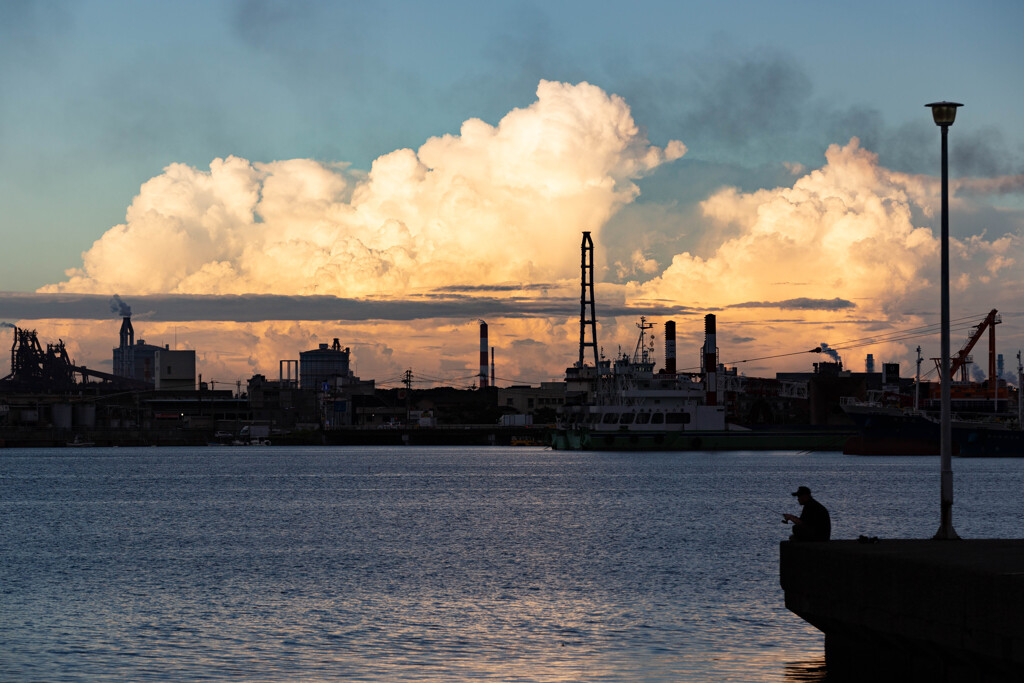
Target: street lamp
(944, 113)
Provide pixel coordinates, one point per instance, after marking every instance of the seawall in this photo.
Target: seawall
(912, 609)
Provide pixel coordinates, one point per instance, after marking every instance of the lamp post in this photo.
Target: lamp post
(944, 113)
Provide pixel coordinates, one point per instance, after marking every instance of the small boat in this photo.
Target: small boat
(79, 442)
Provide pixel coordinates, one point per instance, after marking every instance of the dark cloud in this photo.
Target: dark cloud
(984, 152)
(256, 308)
(741, 99)
(751, 107)
(803, 304)
(523, 343)
(456, 289)
(915, 148)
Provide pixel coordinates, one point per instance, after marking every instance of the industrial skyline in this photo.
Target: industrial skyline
(304, 173)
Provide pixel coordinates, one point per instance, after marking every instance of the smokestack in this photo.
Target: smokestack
(869, 363)
(710, 361)
(492, 366)
(483, 355)
(670, 347)
(127, 333)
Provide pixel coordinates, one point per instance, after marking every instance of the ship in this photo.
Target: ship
(984, 422)
(887, 428)
(625, 405)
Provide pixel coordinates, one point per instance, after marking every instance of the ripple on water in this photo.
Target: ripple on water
(432, 564)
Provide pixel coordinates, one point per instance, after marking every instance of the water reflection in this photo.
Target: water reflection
(431, 564)
(808, 671)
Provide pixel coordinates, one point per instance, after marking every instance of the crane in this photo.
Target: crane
(958, 363)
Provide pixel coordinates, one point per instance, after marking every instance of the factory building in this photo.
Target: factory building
(528, 400)
(319, 366)
(159, 366)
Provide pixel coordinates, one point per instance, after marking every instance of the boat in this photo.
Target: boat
(982, 419)
(625, 405)
(887, 428)
(79, 442)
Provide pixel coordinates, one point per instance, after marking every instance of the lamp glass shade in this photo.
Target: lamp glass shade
(944, 113)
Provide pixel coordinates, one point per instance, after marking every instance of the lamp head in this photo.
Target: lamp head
(944, 113)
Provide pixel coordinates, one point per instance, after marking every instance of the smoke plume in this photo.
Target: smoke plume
(833, 354)
(978, 374)
(120, 307)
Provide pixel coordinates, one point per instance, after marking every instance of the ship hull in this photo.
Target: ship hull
(889, 433)
(699, 440)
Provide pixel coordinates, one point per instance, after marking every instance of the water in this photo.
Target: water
(379, 564)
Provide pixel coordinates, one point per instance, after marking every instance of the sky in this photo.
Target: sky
(254, 178)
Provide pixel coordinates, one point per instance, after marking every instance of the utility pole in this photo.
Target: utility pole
(407, 381)
(917, 380)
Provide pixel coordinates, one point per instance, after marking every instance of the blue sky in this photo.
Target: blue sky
(100, 97)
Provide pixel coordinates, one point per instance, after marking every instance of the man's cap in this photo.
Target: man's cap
(802, 491)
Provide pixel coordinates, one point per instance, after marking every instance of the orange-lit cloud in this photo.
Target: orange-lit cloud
(490, 205)
(846, 250)
(847, 231)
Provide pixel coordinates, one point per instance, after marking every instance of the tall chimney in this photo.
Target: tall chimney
(483, 355)
(492, 366)
(127, 332)
(670, 347)
(126, 362)
(710, 361)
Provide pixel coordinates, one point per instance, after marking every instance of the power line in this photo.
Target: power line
(896, 336)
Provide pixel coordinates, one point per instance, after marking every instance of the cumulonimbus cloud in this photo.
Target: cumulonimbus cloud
(497, 211)
(844, 241)
(492, 204)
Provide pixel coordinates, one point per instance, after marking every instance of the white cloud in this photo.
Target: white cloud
(506, 204)
(846, 230)
(491, 204)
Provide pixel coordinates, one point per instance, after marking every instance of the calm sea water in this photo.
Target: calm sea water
(378, 564)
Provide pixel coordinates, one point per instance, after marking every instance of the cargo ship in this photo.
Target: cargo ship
(984, 422)
(889, 429)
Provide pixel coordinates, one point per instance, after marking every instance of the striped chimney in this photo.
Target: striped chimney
(483, 355)
(670, 347)
(710, 361)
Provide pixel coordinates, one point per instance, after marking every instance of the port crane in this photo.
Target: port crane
(959, 361)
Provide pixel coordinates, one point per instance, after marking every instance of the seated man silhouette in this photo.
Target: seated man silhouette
(813, 524)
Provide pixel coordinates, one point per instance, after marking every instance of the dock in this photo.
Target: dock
(912, 609)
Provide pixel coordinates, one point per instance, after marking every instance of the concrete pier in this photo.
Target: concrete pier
(912, 609)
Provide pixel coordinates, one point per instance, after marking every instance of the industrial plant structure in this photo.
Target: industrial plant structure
(152, 397)
(318, 365)
(160, 367)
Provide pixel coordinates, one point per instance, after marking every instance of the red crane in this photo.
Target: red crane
(959, 361)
